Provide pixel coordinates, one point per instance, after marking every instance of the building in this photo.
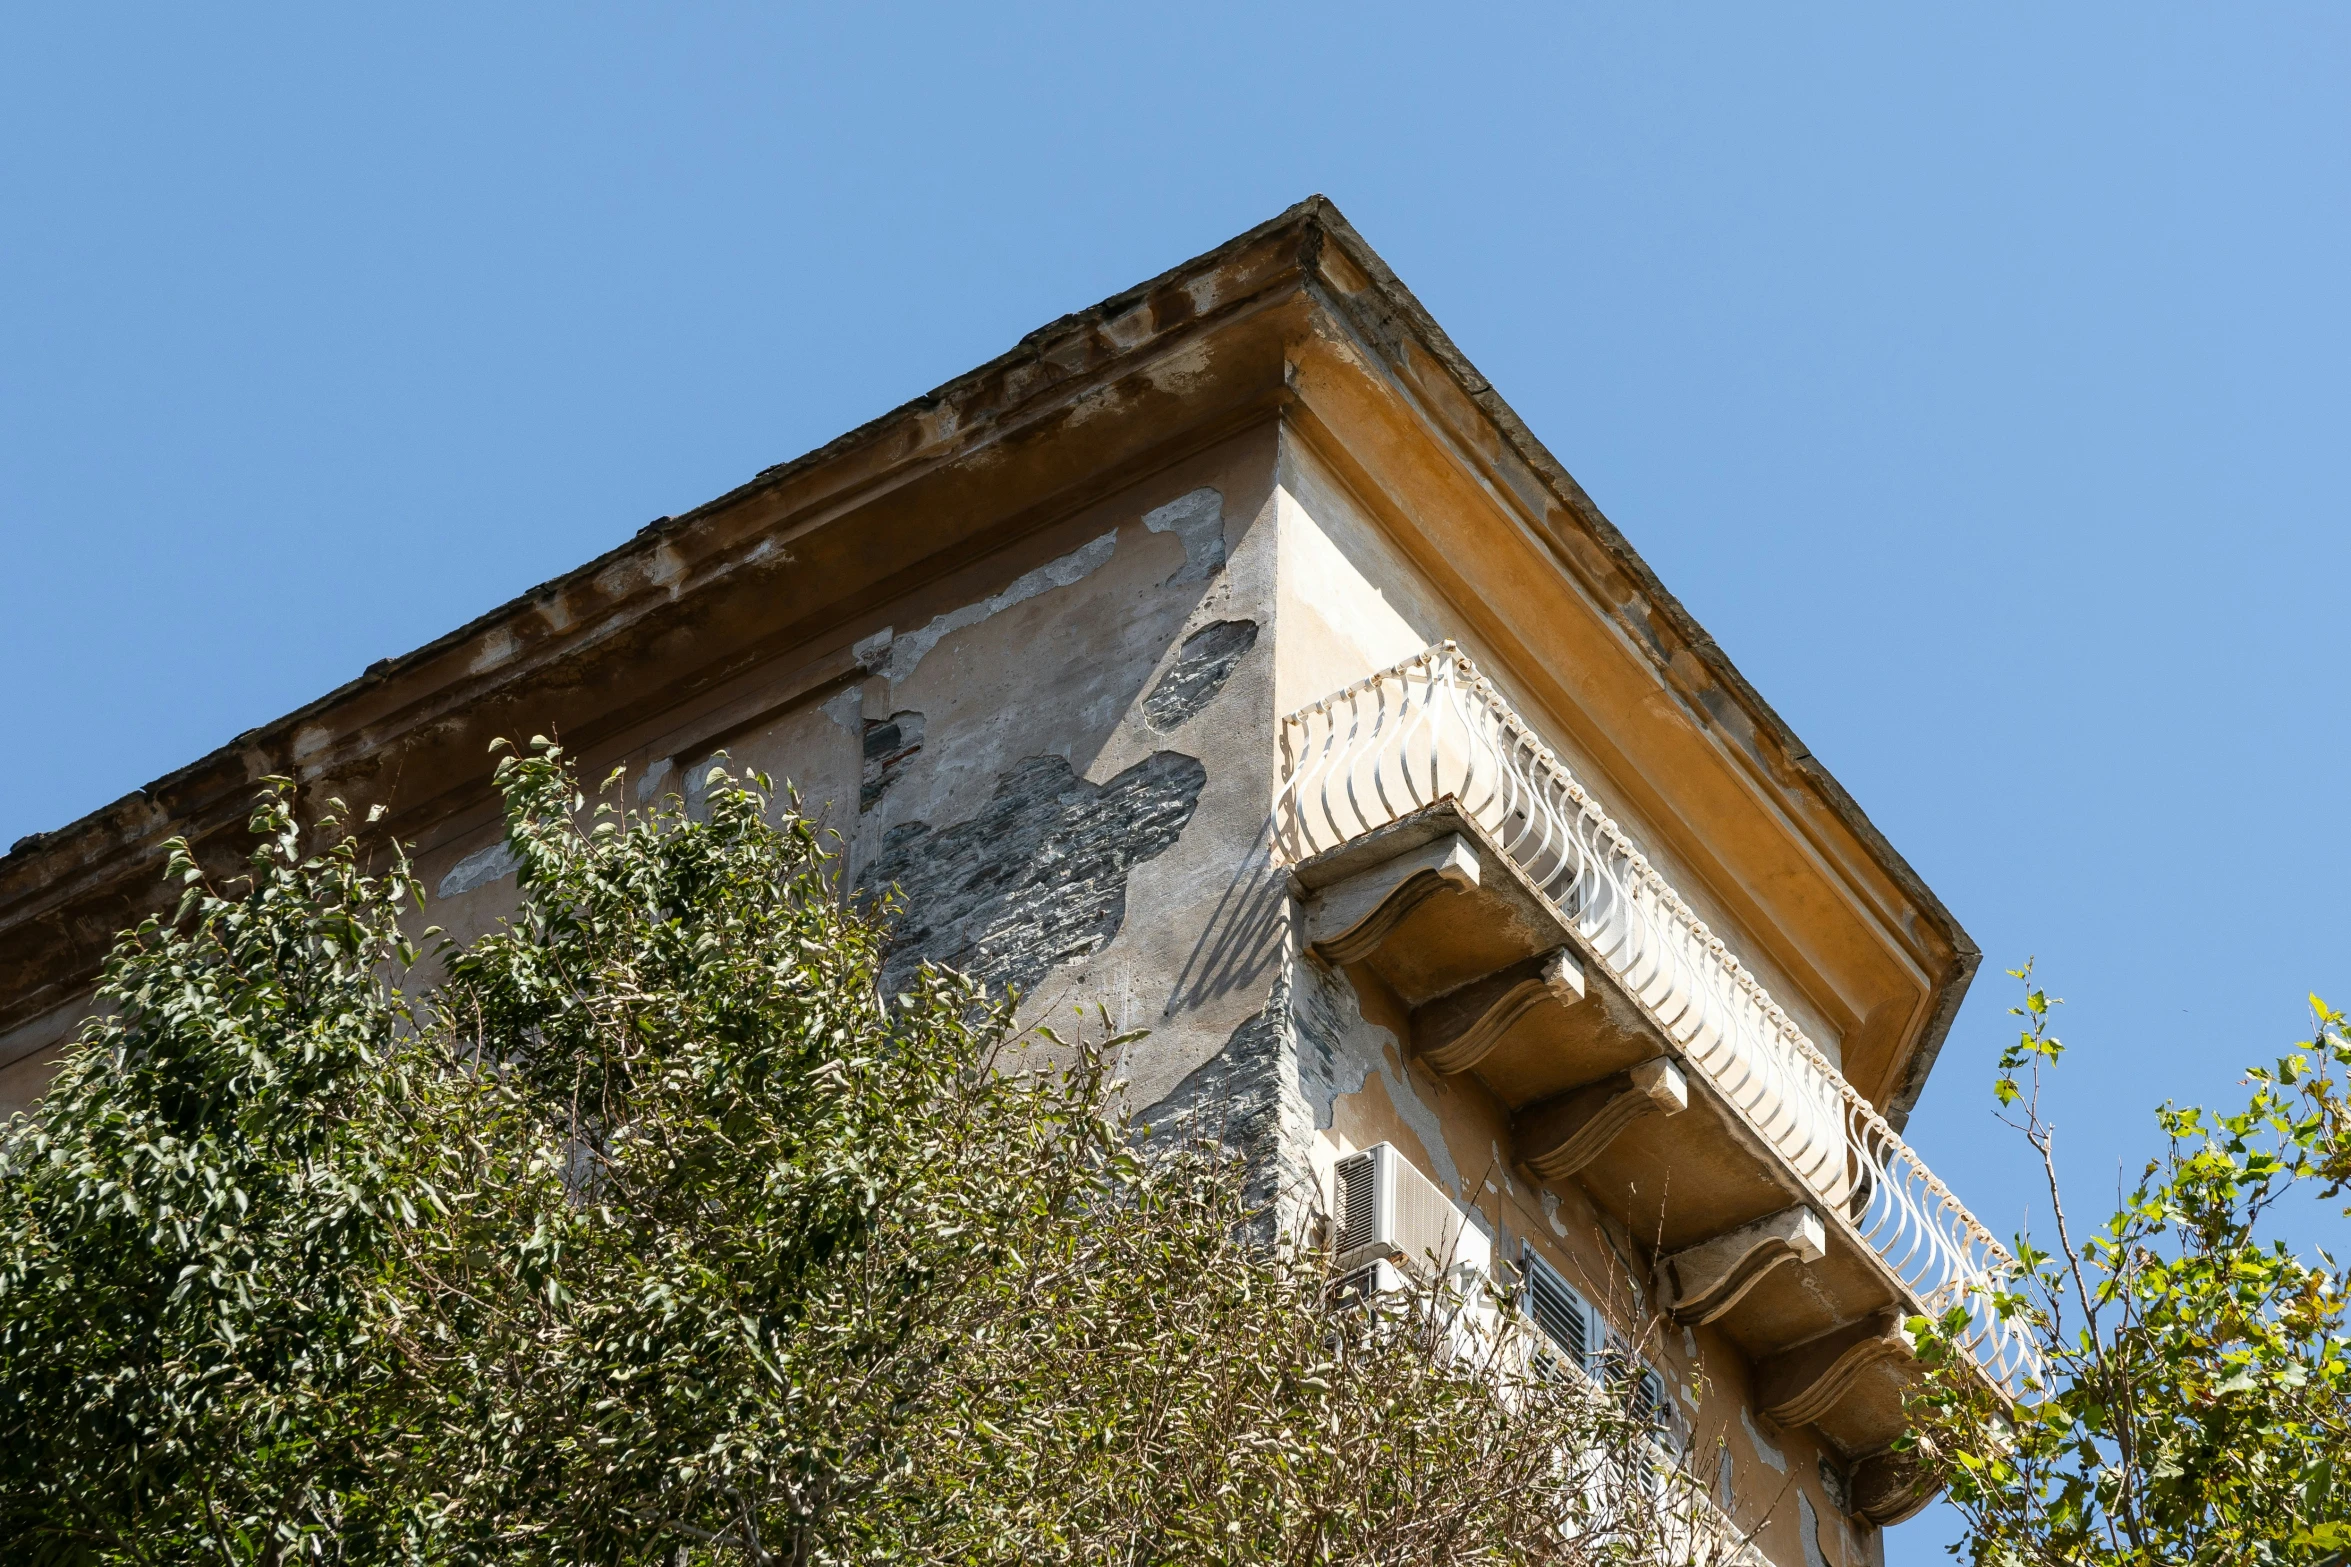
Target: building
(1230, 655)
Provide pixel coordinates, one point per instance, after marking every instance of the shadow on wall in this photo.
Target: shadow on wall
(1244, 937)
(1037, 877)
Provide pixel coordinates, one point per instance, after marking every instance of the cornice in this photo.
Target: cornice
(1188, 355)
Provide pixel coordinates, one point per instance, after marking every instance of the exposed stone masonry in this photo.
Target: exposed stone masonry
(1039, 876)
(1246, 1099)
(1202, 666)
(889, 744)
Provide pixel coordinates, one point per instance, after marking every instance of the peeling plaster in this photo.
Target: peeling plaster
(479, 869)
(1039, 876)
(1551, 1213)
(698, 782)
(1763, 1449)
(650, 784)
(888, 745)
(909, 650)
(1198, 520)
(1833, 1486)
(1808, 1531)
(1331, 1065)
(847, 709)
(1176, 373)
(1334, 1026)
(1201, 668)
(497, 648)
(1245, 1098)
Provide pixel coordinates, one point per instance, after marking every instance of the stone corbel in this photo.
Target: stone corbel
(1351, 917)
(1800, 1386)
(1455, 1031)
(1561, 1135)
(1888, 1487)
(1699, 1283)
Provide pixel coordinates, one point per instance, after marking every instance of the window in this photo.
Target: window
(1646, 1399)
(1580, 1337)
(1560, 1314)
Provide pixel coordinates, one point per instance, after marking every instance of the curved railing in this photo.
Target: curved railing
(1432, 727)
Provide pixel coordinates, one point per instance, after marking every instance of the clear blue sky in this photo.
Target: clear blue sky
(1979, 381)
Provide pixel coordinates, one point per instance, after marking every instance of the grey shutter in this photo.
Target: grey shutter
(1559, 1312)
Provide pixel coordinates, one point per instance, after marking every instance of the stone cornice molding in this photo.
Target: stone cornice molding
(786, 569)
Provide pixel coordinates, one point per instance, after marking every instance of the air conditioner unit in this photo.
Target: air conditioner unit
(1385, 1210)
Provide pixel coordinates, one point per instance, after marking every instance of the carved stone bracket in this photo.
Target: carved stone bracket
(1699, 1283)
(1455, 1031)
(1350, 918)
(1800, 1386)
(1888, 1487)
(1561, 1135)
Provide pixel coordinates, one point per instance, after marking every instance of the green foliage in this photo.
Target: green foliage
(656, 1232)
(188, 1235)
(2196, 1401)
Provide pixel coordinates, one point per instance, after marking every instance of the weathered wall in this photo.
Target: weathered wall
(1024, 645)
(1061, 756)
(1349, 604)
(1352, 604)
(1062, 752)
(31, 1052)
(1084, 817)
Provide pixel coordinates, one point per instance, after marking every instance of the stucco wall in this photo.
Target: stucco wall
(1348, 605)
(1064, 755)
(1061, 755)
(1352, 604)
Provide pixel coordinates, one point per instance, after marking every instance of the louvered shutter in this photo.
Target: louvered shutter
(1559, 1313)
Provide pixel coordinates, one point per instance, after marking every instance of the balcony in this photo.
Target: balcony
(1441, 844)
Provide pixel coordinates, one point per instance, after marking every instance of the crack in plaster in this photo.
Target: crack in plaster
(1808, 1531)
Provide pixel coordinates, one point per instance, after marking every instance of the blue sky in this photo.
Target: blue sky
(1979, 380)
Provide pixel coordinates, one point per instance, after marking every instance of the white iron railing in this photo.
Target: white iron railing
(1432, 727)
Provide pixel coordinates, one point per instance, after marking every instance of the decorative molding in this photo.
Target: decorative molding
(1800, 1386)
(1561, 1135)
(1888, 1487)
(1454, 1032)
(1699, 1283)
(1349, 920)
(1431, 728)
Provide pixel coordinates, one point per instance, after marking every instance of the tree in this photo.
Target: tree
(653, 1230)
(2193, 1398)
